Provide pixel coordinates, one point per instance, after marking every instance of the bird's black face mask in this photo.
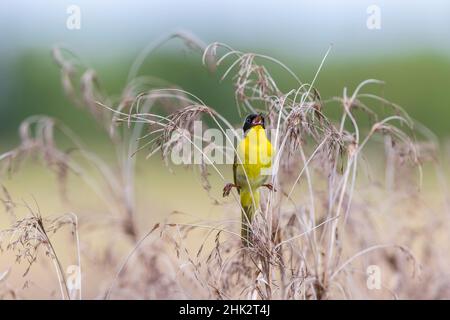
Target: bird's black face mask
(253, 120)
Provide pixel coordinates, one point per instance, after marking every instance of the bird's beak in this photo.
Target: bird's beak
(258, 121)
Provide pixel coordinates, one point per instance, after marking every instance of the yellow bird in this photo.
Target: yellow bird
(251, 170)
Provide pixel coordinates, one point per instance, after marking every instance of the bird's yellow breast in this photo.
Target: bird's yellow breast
(254, 155)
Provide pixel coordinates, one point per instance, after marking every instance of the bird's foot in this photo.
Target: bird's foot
(227, 189)
(270, 187)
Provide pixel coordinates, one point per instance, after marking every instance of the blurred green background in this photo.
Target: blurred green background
(411, 51)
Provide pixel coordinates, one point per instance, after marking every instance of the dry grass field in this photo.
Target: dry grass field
(361, 210)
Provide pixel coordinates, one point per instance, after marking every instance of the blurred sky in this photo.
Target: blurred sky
(301, 27)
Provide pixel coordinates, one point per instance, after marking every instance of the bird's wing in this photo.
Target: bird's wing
(234, 171)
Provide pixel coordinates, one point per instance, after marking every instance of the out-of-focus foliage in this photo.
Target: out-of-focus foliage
(419, 83)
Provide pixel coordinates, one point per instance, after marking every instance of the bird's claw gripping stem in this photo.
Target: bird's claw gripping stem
(270, 187)
(227, 189)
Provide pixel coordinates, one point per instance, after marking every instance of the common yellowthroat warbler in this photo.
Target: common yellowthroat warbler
(251, 169)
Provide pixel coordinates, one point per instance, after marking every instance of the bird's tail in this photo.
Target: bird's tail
(248, 201)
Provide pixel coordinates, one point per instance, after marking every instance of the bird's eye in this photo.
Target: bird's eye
(249, 120)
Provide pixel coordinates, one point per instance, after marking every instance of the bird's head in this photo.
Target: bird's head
(253, 120)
